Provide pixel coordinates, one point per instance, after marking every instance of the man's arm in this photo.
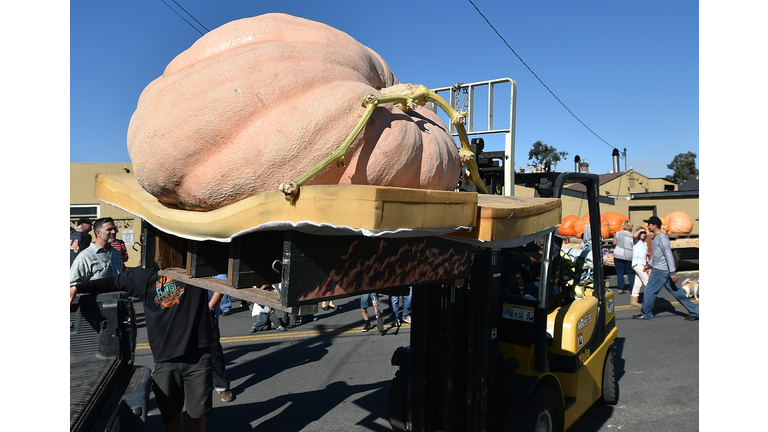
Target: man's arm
(97, 286)
(215, 299)
(666, 249)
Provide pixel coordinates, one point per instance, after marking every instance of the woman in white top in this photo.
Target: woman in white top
(639, 259)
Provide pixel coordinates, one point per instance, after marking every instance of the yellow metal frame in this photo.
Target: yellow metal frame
(572, 321)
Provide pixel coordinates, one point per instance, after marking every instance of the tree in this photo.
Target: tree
(542, 152)
(683, 167)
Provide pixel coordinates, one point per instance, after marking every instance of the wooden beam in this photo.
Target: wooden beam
(260, 296)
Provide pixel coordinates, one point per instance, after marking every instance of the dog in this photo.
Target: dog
(691, 288)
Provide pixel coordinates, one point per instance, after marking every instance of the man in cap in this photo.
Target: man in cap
(662, 267)
(80, 239)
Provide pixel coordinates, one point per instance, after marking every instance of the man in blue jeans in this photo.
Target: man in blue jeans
(662, 266)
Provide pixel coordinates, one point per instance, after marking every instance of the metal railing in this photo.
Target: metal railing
(462, 98)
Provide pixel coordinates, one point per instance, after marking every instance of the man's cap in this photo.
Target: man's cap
(84, 220)
(653, 220)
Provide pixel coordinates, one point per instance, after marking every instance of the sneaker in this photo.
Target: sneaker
(407, 319)
(692, 318)
(224, 313)
(641, 317)
(280, 328)
(226, 396)
(254, 329)
(366, 328)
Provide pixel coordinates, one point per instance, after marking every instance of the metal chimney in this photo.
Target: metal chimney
(584, 167)
(576, 161)
(616, 167)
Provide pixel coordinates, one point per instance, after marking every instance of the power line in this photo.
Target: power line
(537, 77)
(185, 11)
(185, 20)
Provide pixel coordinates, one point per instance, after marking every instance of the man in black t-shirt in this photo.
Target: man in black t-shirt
(180, 337)
(80, 239)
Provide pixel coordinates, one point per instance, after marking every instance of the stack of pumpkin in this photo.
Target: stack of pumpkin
(677, 222)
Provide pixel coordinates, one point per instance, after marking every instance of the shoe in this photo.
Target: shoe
(226, 396)
(280, 328)
(224, 313)
(254, 329)
(396, 322)
(325, 308)
(332, 306)
(692, 318)
(641, 317)
(622, 291)
(634, 303)
(367, 327)
(243, 303)
(407, 319)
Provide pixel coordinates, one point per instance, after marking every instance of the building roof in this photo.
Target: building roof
(602, 179)
(689, 185)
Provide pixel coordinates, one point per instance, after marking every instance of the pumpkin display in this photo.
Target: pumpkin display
(566, 226)
(580, 225)
(262, 100)
(679, 222)
(615, 219)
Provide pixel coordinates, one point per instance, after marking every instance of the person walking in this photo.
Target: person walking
(662, 268)
(622, 255)
(639, 260)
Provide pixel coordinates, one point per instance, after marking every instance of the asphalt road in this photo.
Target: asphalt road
(329, 376)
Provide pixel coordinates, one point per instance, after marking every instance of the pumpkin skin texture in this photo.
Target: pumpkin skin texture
(566, 226)
(261, 100)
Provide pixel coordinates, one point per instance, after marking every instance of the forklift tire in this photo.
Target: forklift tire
(397, 403)
(538, 412)
(610, 393)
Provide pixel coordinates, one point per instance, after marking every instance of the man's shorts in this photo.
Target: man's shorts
(366, 301)
(189, 375)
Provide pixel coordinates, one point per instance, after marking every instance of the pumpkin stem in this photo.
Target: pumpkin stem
(406, 97)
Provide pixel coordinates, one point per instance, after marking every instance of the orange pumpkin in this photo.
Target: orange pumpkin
(679, 223)
(615, 219)
(566, 226)
(580, 225)
(261, 100)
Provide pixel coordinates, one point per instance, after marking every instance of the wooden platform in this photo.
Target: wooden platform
(263, 239)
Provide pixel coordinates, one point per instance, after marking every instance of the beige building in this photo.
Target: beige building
(634, 195)
(82, 203)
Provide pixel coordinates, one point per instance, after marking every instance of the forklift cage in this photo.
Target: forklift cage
(468, 105)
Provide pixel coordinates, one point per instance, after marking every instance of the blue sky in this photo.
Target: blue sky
(628, 70)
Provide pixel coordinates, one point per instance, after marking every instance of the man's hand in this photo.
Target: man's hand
(72, 292)
(673, 277)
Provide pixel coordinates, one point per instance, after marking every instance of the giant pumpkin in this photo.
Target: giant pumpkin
(615, 219)
(261, 100)
(679, 223)
(580, 225)
(566, 226)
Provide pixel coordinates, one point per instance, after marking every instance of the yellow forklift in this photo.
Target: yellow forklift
(524, 344)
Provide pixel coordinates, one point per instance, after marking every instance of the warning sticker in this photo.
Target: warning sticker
(517, 313)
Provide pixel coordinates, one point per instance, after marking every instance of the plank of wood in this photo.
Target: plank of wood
(260, 296)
